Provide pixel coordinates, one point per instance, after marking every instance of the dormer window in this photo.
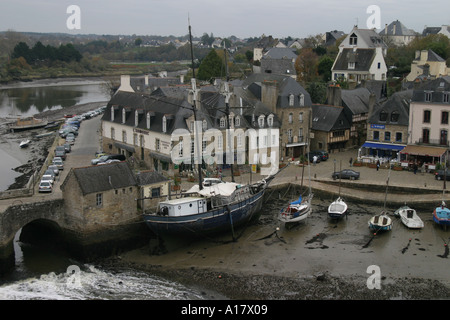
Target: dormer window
(394, 116)
(136, 118)
(445, 97)
(383, 116)
(223, 122)
(353, 40)
(123, 115)
(204, 125)
(261, 121)
(270, 120)
(302, 100)
(112, 113)
(148, 120)
(164, 124)
(291, 100)
(351, 65)
(428, 96)
(237, 121)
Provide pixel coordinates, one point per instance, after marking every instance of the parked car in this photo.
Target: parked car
(49, 178)
(61, 154)
(346, 174)
(54, 169)
(109, 161)
(67, 147)
(323, 155)
(45, 186)
(57, 161)
(70, 138)
(105, 158)
(50, 172)
(439, 175)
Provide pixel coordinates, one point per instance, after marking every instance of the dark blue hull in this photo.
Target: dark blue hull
(212, 221)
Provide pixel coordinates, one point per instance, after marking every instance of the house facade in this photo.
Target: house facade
(330, 130)
(397, 33)
(427, 64)
(429, 121)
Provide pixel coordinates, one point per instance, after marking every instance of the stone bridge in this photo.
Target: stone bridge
(48, 219)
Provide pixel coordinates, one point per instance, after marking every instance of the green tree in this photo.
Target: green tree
(211, 66)
(324, 68)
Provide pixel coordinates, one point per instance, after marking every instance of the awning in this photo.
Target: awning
(124, 146)
(423, 151)
(161, 157)
(383, 146)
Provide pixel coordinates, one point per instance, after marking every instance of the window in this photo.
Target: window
(164, 124)
(351, 65)
(428, 96)
(219, 142)
(136, 118)
(426, 116)
(204, 125)
(379, 65)
(222, 122)
(376, 135)
(300, 117)
(289, 133)
(261, 121)
(445, 97)
(123, 115)
(180, 148)
(353, 40)
(112, 113)
(156, 192)
(135, 139)
(237, 122)
(300, 135)
(124, 136)
(148, 120)
(443, 137)
(157, 144)
(99, 199)
(444, 117)
(426, 135)
(383, 115)
(191, 126)
(270, 120)
(291, 100)
(387, 136)
(290, 117)
(394, 116)
(113, 133)
(302, 100)
(398, 137)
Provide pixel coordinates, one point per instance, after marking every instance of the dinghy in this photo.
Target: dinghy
(409, 217)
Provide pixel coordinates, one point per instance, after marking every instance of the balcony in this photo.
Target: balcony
(434, 142)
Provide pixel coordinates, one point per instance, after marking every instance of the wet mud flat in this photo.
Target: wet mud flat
(319, 258)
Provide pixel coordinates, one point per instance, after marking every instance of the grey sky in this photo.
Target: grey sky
(244, 18)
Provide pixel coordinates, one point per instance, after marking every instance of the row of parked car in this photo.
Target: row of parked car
(68, 131)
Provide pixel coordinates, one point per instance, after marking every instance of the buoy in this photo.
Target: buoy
(220, 277)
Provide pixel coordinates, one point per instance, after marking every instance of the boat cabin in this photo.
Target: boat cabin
(183, 206)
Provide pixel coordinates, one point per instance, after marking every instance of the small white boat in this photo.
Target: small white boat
(380, 222)
(297, 210)
(337, 208)
(24, 143)
(409, 217)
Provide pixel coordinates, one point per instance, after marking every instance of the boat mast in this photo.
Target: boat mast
(194, 107)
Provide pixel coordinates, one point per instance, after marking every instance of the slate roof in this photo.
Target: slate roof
(437, 87)
(332, 36)
(104, 177)
(432, 56)
(328, 118)
(149, 177)
(280, 53)
(357, 100)
(286, 85)
(398, 102)
(367, 37)
(400, 30)
(362, 58)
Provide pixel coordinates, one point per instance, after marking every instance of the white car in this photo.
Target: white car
(48, 177)
(45, 186)
(57, 161)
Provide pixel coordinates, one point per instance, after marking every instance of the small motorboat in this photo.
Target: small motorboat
(337, 208)
(24, 143)
(380, 222)
(409, 217)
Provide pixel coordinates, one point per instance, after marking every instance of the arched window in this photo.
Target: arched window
(302, 100)
(223, 122)
(237, 121)
(291, 100)
(148, 120)
(204, 125)
(123, 115)
(270, 120)
(261, 121)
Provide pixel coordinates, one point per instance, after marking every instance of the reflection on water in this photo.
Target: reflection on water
(29, 101)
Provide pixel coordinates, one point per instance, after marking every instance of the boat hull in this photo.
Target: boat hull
(441, 215)
(295, 213)
(213, 221)
(383, 223)
(337, 209)
(409, 217)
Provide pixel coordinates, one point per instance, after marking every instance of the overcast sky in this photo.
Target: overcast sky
(242, 18)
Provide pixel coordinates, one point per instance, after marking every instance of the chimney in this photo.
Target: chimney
(125, 84)
(424, 55)
(269, 94)
(334, 96)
